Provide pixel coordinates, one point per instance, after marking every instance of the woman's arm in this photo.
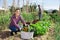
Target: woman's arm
(14, 22)
(22, 20)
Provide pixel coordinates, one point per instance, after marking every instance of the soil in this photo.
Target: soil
(5, 35)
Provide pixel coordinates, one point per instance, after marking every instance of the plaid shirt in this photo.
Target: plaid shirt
(14, 21)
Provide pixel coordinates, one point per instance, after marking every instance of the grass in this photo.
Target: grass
(56, 21)
(5, 19)
(57, 31)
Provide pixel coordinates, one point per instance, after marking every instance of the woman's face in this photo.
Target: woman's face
(17, 13)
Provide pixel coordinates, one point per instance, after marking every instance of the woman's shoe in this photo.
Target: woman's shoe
(11, 33)
(16, 32)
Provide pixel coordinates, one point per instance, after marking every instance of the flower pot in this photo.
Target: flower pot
(26, 35)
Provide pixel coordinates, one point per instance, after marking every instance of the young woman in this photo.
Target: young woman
(14, 27)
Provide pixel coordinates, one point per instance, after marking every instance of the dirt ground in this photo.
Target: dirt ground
(5, 35)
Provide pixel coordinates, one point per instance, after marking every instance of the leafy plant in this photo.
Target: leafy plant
(41, 27)
(28, 29)
(46, 17)
(28, 16)
(55, 17)
(4, 20)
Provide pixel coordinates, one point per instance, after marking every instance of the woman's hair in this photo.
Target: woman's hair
(17, 9)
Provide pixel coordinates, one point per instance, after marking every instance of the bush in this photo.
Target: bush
(45, 11)
(57, 31)
(54, 11)
(41, 27)
(28, 16)
(46, 17)
(56, 17)
(4, 20)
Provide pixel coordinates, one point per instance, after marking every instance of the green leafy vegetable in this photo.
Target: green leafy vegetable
(41, 27)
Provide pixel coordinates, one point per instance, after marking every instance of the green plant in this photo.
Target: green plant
(28, 29)
(57, 31)
(45, 17)
(4, 20)
(41, 27)
(27, 16)
(56, 17)
(12, 9)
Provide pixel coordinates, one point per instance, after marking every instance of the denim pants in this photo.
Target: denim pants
(13, 28)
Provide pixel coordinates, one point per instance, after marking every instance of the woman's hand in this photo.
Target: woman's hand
(26, 24)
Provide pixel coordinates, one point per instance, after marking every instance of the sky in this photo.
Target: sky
(46, 4)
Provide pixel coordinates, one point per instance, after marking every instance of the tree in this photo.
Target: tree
(27, 2)
(54, 11)
(13, 3)
(18, 3)
(23, 2)
(5, 4)
(23, 6)
(12, 7)
(32, 8)
(45, 11)
(59, 9)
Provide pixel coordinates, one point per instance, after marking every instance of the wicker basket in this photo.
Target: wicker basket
(26, 35)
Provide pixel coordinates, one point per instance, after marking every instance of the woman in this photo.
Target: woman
(14, 27)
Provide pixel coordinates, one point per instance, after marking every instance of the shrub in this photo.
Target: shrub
(4, 20)
(28, 16)
(56, 17)
(41, 27)
(54, 11)
(57, 31)
(46, 17)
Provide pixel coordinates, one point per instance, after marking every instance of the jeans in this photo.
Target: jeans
(13, 28)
